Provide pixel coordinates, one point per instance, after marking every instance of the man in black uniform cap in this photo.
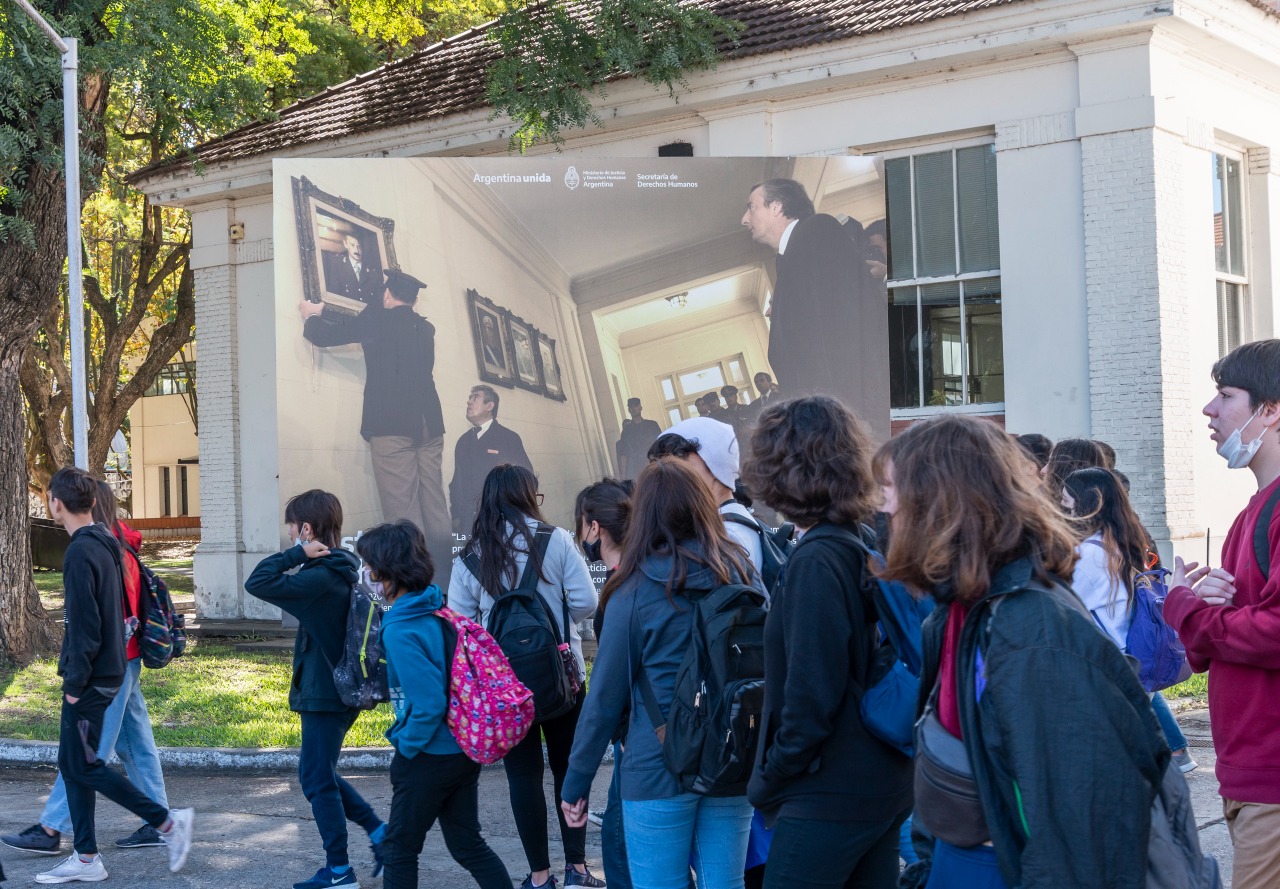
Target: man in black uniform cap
(402, 420)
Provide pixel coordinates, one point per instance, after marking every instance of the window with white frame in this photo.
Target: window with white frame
(681, 389)
(1229, 239)
(946, 339)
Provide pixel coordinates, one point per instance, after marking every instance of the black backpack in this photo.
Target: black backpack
(529, 637)
(709, 738)
(775, 545)
(360, 676)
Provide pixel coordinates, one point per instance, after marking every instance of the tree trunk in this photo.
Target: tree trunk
(28, 287)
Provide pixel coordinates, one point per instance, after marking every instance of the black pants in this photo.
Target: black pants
(424, 789)
(834, 854)
(529, 804)
(85, 775)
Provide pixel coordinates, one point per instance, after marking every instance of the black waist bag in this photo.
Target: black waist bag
(946, 796)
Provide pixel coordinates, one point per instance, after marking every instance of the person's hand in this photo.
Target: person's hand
(575, 814)
(71, 700)
(1185, 573)
(1216, 588)
(308, 309)
(879, 270)
(315, 549)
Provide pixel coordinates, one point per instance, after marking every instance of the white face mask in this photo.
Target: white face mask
(374, 586)
(1237, 454)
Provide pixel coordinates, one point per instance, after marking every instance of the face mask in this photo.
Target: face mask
(374, 586)
(1237, 454)
(592, 551)
(298, 541)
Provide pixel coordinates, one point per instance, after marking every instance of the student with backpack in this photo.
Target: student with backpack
(710, 449)
(318, 594)
(681, 588)
(126, 725)
(93, 668)
(602, 514)
(1011, 657)
(431, 779)
(835, 794)
(1229, 617)
(525, 580)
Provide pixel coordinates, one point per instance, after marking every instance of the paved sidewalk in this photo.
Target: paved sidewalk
(254, 828)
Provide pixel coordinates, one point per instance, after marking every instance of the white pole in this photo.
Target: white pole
(67, 46)
(75, 277)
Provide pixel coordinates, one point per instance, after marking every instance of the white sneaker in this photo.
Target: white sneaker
(178, 839)
(596, 817)
(72, 870)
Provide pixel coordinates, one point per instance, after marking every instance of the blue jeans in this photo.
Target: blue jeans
(662, 835)
(956, 868)
(333, 800)
(613, 840)
(1172, 732)
(126, 729)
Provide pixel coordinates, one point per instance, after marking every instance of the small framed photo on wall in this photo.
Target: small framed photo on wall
(492, 340)
(343, 249)
(549, 364)
(524, 353)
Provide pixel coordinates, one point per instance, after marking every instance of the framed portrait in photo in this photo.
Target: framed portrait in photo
(523, 354)
(343, 249)
(492, 340)
(549, 364)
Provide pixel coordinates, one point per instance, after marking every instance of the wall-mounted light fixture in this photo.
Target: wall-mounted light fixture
(678, 300)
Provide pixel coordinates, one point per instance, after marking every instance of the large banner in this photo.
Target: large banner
(438, 317)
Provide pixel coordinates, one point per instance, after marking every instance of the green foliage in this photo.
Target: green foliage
(555, 57)
(1196, 689)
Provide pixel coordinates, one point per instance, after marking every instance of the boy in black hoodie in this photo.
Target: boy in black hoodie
(92, 666)
(319, 596)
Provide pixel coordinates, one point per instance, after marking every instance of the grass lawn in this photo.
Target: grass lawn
(214, 696)
(1196, 688)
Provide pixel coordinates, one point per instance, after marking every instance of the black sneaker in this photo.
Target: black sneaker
(573, 878)
(34, 839)
(146, 835)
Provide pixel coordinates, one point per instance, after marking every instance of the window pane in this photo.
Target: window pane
(979, 219)
(701, 380)
(673, 416)
(1234, 218)
(943, 352)
(897, 175)
(1219, 223)
(668, 389)
(935, 215)
(1230, 316)
(735, 371)
(985, 332)
(904, 348)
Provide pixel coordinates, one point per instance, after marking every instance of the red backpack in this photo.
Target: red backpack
(490, 711)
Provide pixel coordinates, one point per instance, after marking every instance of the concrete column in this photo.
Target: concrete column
(1042, 276)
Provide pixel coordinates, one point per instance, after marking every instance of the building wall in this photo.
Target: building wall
(161, 433)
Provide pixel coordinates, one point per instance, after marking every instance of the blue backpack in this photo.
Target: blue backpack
(1162, 659)
(892, 685)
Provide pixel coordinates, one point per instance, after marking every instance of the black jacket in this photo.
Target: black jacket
(473, 458)
(1064, 745)
(93, 645)
(816, 760)
(828, 330)
(399, 358)
(319, 596)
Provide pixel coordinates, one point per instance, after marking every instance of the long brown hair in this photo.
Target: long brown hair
(1102, 507)
(509, 496)
(673, 514)
(966, 506)
(1066, 457)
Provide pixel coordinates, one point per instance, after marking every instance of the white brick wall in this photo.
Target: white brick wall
(1142, 386)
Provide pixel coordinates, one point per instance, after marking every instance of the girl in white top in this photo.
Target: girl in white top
(1112, 555)
(502, 538)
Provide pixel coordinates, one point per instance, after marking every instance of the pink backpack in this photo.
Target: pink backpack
(490, 711)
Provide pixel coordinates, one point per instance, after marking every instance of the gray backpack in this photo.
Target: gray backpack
(1174, 857)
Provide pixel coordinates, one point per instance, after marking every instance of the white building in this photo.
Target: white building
(1094, 176)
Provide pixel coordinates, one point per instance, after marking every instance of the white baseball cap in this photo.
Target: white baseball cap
(717, 446)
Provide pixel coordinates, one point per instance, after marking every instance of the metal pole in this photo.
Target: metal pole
(67, 46)
(75, 277)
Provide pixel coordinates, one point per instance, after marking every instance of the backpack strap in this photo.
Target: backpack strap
(1262, 534)
(529, 579)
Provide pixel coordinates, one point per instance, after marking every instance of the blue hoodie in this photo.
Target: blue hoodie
(418, 675)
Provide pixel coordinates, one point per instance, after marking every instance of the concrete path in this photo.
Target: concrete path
(254, 828)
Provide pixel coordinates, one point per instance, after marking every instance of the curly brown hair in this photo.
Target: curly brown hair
(810, 460)
(967, 506)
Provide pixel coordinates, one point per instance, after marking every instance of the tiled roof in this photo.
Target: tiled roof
(448, 77)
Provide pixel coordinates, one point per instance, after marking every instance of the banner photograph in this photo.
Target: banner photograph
(437, 317)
